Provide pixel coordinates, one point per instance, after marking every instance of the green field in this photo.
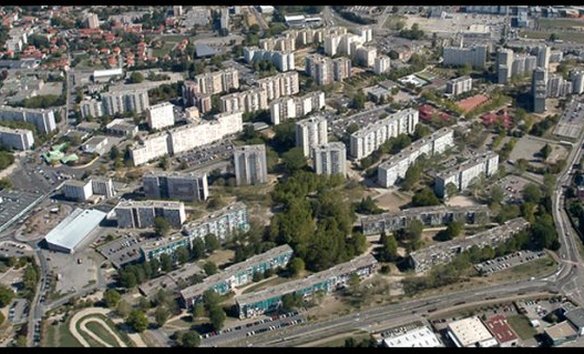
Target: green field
(271, 282)
(560, 23)
(166, 48)
(59, 336)
(566, 37)
(521, 326)
(102, 333)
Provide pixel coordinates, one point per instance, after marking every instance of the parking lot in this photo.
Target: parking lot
(12, 249)
(253, 328)
(537, 309)
(512, 187)
(508, 261)
(74, 273)
(218, 151)
(123, 250)
(570, 123)
(14, 204)
(18, 311)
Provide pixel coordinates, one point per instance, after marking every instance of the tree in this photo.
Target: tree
(136, 78)
(497, 194)
(553, 37)
(2, 318)
(20, 341)
(531, 193)
(190, 339)
(6, 295)
(389, 249)
(137, 320)
(111, 298)
(210, 268)
(359, 100)
(425, 197)
(451, 189)
(217, 317)
(211, 299)
(182, 254)
(161, 226)
(294, 159)
(545, 151)
(123, 309)
(198, 248)
(198, 310)
(114, 153)
(454, 229)
(165, 263)
(296, 266)
(161, 315)
(211, 243)
(414, 230)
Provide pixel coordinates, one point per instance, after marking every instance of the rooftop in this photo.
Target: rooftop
(76, 183)
(421, 337)
(95, 140)
(500, 329)
(292, 286)
(561, 330)
(469, 331)
(576, 317)
(150, 203)
(74, 228)
(411, 212)
(177, 174)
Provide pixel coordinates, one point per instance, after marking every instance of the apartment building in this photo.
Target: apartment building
(76, 190)
(558, 87)
(90, 107)
(476, 56)
(141, 214)
(250, 164)
(539, 89)
(216, 82)
(122, 101)
(368, 139)
(43, 119)
(577, 78)
(325, 70)
(248, 101)
(223, 223)
(461, 177)
(311, 132)
(284, 84)
(366, 56)
(283, 44)
(176, 185)
(395, 168)
(282, 60)
(381, 64)
(330, 159)
(431, 216)
(459, 85)
(443, 252)
(103, 186)
(160, 116)
(16, 139)
(92, 21)
(149, 148)
(285, 108)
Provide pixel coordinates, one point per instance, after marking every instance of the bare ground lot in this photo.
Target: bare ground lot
(391, 200)
(462, 201)
(528, 148)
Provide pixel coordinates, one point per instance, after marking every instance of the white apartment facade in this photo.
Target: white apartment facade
(17, 139)
(311, 132)
(160, 116)
(462, 176)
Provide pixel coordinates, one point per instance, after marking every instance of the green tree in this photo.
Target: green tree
(217, 317)
(6, 295)
(137, 320)
(161, 226)
(211, 299)
(161, 315)
(123, 309)
(198, 248)
(359, 100)
(111, 298)
(545, 151)
(2, 318)
(165, 263)
(531, 193)
(190, 339)
(497, 194)
(136, 78)
(425, 197)
(114, 153)
(198, 310)
(182, 254)
(294, 159)
(414, 230)
(210, 268)
(389, 249)
(20, 342)
(211, 243)
(296, 266)
(553, 37)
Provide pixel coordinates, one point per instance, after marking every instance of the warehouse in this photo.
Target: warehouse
(471, 332)
(73, 230)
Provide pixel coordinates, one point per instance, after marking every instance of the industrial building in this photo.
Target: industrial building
(502, 332)
(122, 127)
(160, 116)
(285, 108)
(141, 214)
(233, 218)
(106, 75)
(421, 337)
(250, 164)
(560, 333)
(330, 159)
(176, 185)
(73, 230)
(17, 139)
(461, 177)
(395, 168)
(459, 85)
(311, 132)
(429, 216)
(576, 318)
(238, 274)
(42, 119)
(260, 302)
(471, 332)
(443, 252)
(368, 139)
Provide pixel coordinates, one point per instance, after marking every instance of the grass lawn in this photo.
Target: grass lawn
(176, 38)
(266, 284)
(521, 326)
(66, 339)
(102, 333)
(571, 36)
(559, 23)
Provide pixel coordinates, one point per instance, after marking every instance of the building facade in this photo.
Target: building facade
(311, 132)
(330, 159)
(76, 190)
(43, 119)
(223, 223)
(459, 85)
(17, 139)
(285, 108)
(462, 176)
(250, 164)
(123, 101)
(176, 185)
(141, 214)
(476, 56)
(160, 116)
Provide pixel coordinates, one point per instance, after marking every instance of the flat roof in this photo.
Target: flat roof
(108, 72)
(74, 228)
(295, 285)
(421, 337)
(576, 316)
(561, 330)
(469, 331)
(230, 271)
(204, 50)
(150, 203)
(500, 329)
(411, 212)
(76, 183)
